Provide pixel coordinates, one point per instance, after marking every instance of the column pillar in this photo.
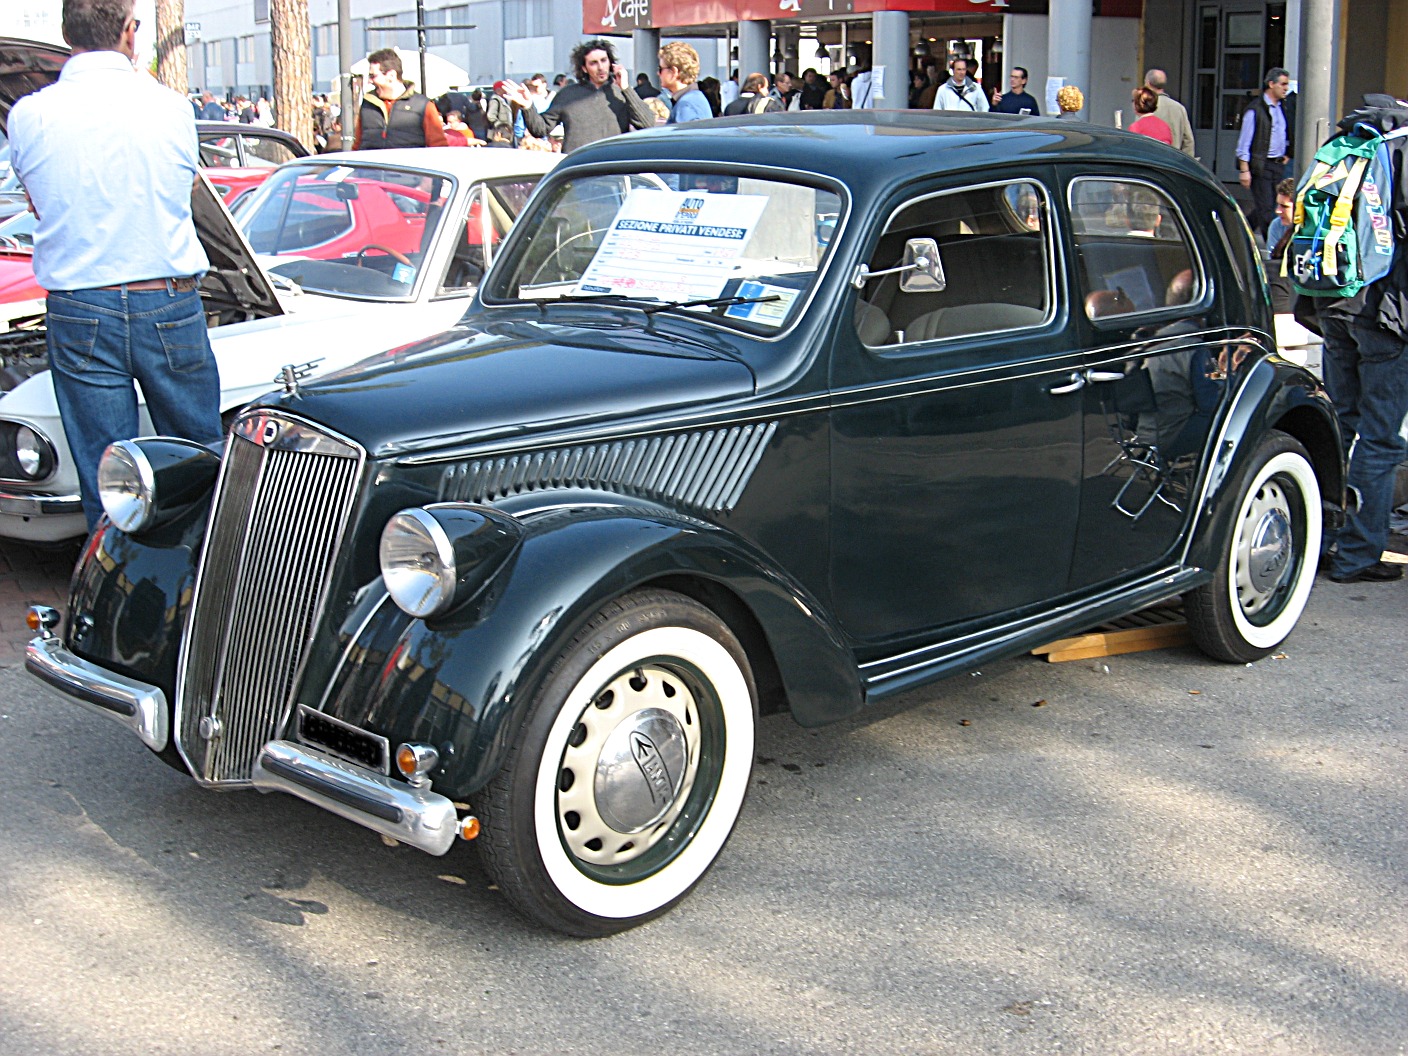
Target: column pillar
(1317, 108)
(891, 52)
(754, 40)
(1068, 46)
(645, 46)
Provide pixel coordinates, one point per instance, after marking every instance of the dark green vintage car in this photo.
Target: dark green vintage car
(792, 412)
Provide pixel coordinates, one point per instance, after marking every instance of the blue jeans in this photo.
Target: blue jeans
(1366, 371)
(100, 341)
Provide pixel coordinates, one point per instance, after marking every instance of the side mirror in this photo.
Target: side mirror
(348, 192)
(922, 269)
(927, 274)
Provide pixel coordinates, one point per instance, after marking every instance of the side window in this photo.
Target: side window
(994, 245)
(219, 152)
(1132, 248)
(261, 150)
(493, 207)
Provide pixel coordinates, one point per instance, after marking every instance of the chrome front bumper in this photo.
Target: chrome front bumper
(28, 504)
(139, 707)
(412, 816)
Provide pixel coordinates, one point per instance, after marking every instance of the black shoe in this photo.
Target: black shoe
(1378, 572)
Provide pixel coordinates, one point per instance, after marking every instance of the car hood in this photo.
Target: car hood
(26, 66)
(489, 381)
(235, 282)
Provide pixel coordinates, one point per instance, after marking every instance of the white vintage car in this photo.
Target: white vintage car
(336, 258)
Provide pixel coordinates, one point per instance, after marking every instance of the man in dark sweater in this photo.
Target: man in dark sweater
(599, 105)
(1018, 100)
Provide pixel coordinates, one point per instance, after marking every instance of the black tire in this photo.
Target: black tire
(1267, 567)
(629, 772)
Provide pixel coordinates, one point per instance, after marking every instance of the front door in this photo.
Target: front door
(955, 441)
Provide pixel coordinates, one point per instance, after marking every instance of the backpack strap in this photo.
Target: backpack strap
(1342, 212)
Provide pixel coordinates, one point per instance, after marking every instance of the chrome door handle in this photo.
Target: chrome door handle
(1097, 376)
(1076, 383)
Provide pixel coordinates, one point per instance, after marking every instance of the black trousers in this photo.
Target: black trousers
(1264, 194)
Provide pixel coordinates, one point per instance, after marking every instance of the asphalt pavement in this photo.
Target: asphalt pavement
(1150, 853)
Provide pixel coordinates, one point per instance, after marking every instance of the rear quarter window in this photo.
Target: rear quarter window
(1133, 251)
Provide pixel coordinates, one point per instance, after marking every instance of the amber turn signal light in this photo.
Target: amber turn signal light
(41, 618)
(415, 761)
(469, 827)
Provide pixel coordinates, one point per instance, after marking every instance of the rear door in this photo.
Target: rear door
(1155, 378)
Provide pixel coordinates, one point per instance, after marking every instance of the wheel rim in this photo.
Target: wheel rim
(630, 766)
(705, 807)
(1265, 555)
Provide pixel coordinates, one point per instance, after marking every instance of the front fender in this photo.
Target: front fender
(463, 683)
(1275, 394)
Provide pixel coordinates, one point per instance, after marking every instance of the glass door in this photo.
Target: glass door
(1235, 43)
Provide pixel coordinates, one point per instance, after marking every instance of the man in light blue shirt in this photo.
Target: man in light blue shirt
(1264, 147)
(114, 243)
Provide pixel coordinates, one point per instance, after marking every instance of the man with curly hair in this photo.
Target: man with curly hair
(679, 70)
(598, 106)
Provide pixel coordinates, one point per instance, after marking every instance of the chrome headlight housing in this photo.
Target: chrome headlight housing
(127, 486)
(434, 558)
(142, 483)
(26, 454)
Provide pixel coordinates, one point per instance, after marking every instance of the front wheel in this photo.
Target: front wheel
(1268, 562)
(630, 770)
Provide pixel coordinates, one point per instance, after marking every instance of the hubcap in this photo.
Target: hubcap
(629, 766)
(640, 770)
(1265, 552)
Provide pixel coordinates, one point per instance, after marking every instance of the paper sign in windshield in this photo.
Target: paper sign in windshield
(673, 245)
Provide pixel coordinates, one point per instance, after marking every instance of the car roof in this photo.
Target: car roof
(468, 163)
(234, 128)
(872, 149)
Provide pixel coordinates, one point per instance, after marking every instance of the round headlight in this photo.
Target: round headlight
(29, 451)
(126, 485)
(417, 563)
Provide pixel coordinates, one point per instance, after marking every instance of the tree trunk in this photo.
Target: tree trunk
(292, 40)
(171, 44)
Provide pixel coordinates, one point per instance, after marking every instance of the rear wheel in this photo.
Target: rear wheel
(1268, 562)
(630, 770)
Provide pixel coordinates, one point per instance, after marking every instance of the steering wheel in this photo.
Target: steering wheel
(394, 254)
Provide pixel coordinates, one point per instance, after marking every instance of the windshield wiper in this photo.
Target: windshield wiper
(709, 302)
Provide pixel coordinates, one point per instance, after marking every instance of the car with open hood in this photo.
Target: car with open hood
(351, 254)
(783, 413)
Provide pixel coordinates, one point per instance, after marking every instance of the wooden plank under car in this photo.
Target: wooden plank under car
(1156, 628)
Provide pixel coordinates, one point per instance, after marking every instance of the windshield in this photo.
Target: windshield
(745, 251)
(349, 230)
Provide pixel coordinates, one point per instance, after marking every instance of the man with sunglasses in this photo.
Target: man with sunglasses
(114, 243)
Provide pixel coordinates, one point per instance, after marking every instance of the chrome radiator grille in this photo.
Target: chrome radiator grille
(282, 506)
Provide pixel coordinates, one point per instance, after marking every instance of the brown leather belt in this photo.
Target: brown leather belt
(184, 284)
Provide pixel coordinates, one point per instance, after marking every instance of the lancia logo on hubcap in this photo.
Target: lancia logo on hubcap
(652, 768)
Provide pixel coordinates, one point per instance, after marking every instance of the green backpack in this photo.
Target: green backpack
(1343, 225)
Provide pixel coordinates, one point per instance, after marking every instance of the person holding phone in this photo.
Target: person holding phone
(598, 106)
